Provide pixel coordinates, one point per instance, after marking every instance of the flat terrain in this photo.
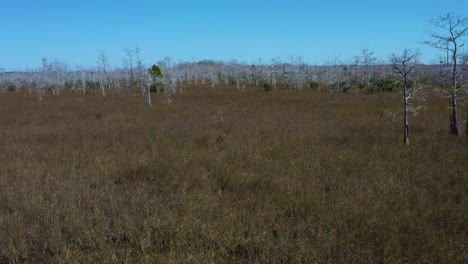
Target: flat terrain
(219, 176)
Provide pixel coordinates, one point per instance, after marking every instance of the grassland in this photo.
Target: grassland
(225, 177)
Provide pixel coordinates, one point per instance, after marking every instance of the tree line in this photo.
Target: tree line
(362, 73)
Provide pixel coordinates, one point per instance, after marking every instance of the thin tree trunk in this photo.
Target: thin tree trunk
(405, 115)
(453, 115)
(330, 117)
(148, 94)
(102, 89)
(453, 101)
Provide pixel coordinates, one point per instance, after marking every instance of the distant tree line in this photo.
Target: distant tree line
(362, 73)
(56, 75)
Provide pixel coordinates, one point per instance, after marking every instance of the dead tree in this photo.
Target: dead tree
(404, 65)
(447, 35)
(367, 59)
(103, 62)
(129, 66)
(332, 79)
(140, 70)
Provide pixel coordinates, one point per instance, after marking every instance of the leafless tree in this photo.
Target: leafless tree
(465, 80)
(81, 76)
(275, 66)
(45, 79)
(2, 74)
(296, 76)
(447, 35)
(404, 65)
(140, 70)
(103, 62)
(128, 62)
(332, 78)
(367, 60)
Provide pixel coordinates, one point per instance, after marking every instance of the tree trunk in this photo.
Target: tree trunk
(148, 94)
(453, 115)
(330, 117)
(453, 99)
(103, 92)
(405, 115)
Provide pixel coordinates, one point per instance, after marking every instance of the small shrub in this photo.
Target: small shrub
(68, 86)
(423, 80)
(267, 87)
(344, 87)
(373, 89)
(314, 85)
(157, 86)
(386, 85)
(362, 86)
(154, 87)
(11, 88)
(221, 136)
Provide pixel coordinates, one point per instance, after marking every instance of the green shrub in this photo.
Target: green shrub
(385, 85)
(157, 86)
(68, 85)
(373, 89)
(11, 88)
(314, 85)
(267, 87)
(423, 80)
(221, 136)
(344, 87)
(361, 86)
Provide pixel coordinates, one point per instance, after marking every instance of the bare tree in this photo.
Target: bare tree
(465, 70)
(447, 35)
(404, 65)
(129, 63)
(45, 79)
(367, 59)
(81, 75)
(275, 65)
(103, 62)
(140, 70)
(332, 78)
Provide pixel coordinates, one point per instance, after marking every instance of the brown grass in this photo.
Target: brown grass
(220, 176)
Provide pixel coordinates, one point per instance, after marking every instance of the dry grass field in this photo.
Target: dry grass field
(225, 177)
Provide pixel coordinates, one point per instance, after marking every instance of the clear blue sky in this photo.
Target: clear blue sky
(75, 31)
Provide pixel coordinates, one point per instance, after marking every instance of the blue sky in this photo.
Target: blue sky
(75, 31)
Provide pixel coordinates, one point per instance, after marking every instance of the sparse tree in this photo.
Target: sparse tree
(155, 73)
(404, 65)
(45, 79)
(332, 78)
(129, 65)
(367, 59)
(275, 65)
(447, 35)
(103, 62)
(140, 70)
(81, 76)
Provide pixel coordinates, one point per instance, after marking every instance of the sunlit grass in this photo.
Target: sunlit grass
(89, 179)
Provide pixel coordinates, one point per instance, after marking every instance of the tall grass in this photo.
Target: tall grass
(219, 176)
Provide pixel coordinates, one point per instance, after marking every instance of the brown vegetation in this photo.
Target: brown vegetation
(219, 176)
